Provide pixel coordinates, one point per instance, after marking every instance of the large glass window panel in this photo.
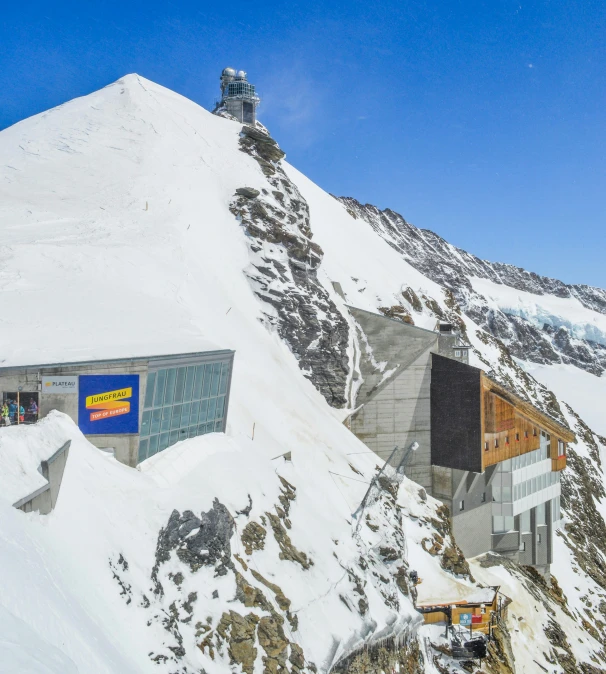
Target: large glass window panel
(212, 406)
(509, 522)
(180, 384)
(153, 445)
(176, 420)
(174, 437)
(193, 431)
(214, 389)
(203, 411)
(220, 407)
(540, 514)
(194, 413)
(210, 427)
(224, 375)
(197, 390)
(506, 495)
(166, 416)
(208, 374)
(185, 415)
(155, 422)
(201, 429)
(498, 524)
(145, 422)
(183, 433)
(525, 521)
(169, 394)
(189, 384)
(218, 426)
(149, 390)
(160, 383)
(143, 450)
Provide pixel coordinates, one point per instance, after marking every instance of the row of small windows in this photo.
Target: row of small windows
(507, 439)
(184, 384)
(240, 89)
(524, 460)
(503, 494)
(505, 523)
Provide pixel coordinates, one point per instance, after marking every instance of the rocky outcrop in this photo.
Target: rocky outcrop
(284, 270)
(452, 268)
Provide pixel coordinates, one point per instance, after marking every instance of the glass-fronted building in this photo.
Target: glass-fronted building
(182, 402)
(131, 407)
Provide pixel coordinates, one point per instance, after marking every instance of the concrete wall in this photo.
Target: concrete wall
(395, 409)
(43, 500)
(472, 530)
(398, 415)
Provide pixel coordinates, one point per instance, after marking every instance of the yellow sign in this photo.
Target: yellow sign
(100, 400)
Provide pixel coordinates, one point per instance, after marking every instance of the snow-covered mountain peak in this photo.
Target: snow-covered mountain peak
(134, 222)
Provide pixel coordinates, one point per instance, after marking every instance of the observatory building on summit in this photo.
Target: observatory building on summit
(238, 96)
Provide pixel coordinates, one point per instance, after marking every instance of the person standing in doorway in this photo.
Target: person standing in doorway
(5, 415)
(12, 410)
(21, 414)
(32, 411)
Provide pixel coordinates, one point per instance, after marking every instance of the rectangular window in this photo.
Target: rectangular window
(461, 505)
(525, 434)
(523, 546)
(224, 378)
(485, 446)
(197, 390)
(208, 374)
(457, 353)
(203, 411)
(166, 415)
(149, 390)
(164, 441)
(534, 432)
(214, 389)
(538, 538)
(160, 382)
(189, 384)
(143, 450)
(145, 422)
(506, 439)
(153, 445)
(176, 420)
(180, 384)
(483, 497)
(498, 524)
(496, 443)
(155, 422)
(169, 390)
(517, 437)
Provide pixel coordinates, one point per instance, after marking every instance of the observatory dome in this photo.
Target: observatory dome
(241, 75)
(230, 72)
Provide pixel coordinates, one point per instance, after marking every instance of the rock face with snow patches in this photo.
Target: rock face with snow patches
(532, 333)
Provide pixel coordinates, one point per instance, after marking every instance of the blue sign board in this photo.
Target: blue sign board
(108, 404)
(465, 619)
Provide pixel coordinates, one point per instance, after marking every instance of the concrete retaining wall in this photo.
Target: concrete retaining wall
(43, 500)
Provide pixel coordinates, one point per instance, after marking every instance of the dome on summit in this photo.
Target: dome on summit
(230, 72)
(241, 75)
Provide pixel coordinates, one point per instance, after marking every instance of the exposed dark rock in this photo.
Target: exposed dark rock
(253, 537)
(248, 192)
(299, 307)
(197, 542)
(287, 549)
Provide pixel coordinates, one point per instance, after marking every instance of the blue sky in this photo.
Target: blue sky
(483, 121)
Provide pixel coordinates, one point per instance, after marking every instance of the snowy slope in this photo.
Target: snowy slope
(120, 237)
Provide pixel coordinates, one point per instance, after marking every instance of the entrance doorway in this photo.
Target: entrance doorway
(22, 406)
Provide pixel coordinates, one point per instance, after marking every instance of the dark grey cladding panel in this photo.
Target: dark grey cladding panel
(456, 425)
